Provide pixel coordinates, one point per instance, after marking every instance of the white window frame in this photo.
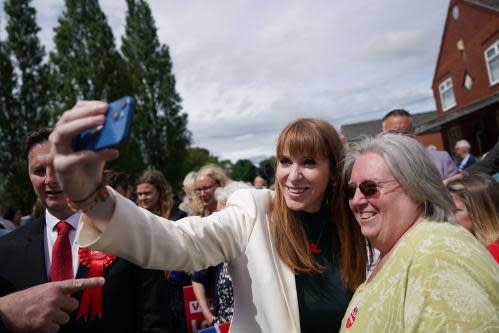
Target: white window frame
(471, 82)
(488, 59)
(443, 87)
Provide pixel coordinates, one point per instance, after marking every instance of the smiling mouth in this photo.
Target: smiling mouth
(366, 216)
(296, 190)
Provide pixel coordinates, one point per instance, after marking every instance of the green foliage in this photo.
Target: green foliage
(197, 157)
(159, 124)
(227, 165)
(23, 97)
(243, 170)
(85, 63)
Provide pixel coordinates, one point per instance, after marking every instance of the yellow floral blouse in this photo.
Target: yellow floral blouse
(438, 279)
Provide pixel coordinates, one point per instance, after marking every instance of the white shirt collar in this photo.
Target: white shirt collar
(52, 221)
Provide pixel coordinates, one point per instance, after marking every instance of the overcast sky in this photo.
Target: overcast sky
(244, 69)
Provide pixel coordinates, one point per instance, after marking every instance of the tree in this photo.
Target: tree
(160, 126)
(197, 157)
(85, 63)
(227, 165)
(243, 170)
(23, 98)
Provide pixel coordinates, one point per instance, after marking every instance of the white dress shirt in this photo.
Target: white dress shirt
(51, 236)
(463, 162)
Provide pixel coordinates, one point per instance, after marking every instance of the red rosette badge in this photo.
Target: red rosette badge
(96, 262)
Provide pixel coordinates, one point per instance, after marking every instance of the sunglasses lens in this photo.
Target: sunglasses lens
(350, 191)
(368, 188)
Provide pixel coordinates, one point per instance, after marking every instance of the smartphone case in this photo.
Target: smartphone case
(113, 132)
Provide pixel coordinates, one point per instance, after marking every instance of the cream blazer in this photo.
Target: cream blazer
(264, 287)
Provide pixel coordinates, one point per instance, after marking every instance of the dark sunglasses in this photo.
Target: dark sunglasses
(368, 188)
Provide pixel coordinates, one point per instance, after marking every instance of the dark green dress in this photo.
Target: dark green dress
(322, 299)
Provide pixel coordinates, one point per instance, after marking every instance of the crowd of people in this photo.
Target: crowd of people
(382, 235)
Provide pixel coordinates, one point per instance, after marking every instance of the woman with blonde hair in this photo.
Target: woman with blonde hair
(192, 205)
(477, 201)
(295, 255)
(208, 179)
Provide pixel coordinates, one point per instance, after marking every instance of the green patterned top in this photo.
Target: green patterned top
(438, 279)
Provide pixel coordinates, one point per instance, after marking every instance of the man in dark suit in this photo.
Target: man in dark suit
(31, 256)
(399, 121)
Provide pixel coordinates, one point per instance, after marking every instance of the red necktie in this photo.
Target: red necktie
(62, 258)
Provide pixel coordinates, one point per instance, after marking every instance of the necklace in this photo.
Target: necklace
(314, 246)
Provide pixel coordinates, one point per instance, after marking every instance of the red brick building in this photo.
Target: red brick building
(466, 80)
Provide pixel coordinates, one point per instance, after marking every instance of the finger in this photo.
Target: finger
(50, 328)
(61, 163)
(63, 135)
(108, 154)
(68, 304)
(83, 109)
(60, 317)
(75, 285)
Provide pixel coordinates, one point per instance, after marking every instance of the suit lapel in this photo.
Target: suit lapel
(35, 253)
(287, 281)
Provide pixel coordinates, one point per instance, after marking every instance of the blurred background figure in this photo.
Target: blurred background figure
(477, 202)
(217, 278)
(208, 179)
(399, 121)
(37, 211)
(462, 151)
(154, 193)
(191, 204)
(259, 182)
(488, 164)
(119, 181)
(5, 226)
(11, 218)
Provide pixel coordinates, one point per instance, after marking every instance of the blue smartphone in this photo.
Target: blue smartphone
(114, 131)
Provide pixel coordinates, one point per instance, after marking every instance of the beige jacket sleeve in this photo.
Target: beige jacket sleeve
(190, 244)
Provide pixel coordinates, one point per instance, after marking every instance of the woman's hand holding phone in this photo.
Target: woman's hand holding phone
(79, 173)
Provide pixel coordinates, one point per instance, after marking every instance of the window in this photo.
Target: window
(492, 61)
(447, 94)
(468, 82)
(455, 12)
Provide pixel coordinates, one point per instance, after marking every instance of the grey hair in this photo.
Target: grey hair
(412, 167)
(463, 144)
(223, 193)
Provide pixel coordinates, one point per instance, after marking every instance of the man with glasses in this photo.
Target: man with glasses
(399, 121)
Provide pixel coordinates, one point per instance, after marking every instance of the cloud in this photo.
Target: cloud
(245, 68)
